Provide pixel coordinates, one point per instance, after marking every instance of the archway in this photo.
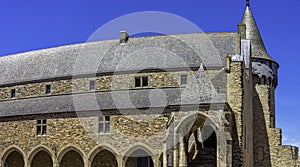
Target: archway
(72, 158)
(203, 144)
(139, 158)
(41, 159)
(14, 159)
(104, 158)
(197, 141)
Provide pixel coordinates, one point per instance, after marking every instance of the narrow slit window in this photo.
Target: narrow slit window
(92, 85)
(48, 89)
(13, 93)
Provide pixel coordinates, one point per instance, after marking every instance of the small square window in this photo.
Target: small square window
(13, 93)
(183, 79)
(48, 89)
(141, 81)
(104, 124)
(41, 127)
(92, 85)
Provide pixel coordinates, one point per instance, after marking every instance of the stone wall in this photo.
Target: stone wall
(235, 101)
(61, 132)
(102, 83)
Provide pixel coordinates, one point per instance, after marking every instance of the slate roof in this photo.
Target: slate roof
(159, 52)
(163, 52)
(258, 49)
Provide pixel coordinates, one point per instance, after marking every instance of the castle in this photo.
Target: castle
(197, 100)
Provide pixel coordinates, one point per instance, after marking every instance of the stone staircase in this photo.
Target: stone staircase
(205, 158)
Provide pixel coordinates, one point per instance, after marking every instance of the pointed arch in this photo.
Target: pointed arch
(100, 148)
(139, 154)
(44, 154)
(139, 146)
(39, 148)
(71, 150)
(16, 151)
(103, 155)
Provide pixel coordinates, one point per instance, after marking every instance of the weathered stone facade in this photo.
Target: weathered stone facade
(208, 111)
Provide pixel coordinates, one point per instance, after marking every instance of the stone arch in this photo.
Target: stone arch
(192, 125)
(103, 156)
(41, 156)
(71, 155)
(13, 157)
(138, 151)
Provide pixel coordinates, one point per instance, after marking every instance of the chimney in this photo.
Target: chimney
(242, 30)
(123, 37)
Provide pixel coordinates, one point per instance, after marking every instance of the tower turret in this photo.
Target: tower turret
(264, 67)
(264, 70)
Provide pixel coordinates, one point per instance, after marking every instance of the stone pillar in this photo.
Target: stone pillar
(175, 157)
(175, 151)
(86, 162)
(182, 155)
(165, 155)
(120, 161)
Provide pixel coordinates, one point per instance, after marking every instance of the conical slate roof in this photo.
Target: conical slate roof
(258, 49)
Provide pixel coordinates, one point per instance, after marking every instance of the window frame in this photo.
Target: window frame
(42, 125)
(92, 85)
(103, 121)
(141, 81)
(183, 76)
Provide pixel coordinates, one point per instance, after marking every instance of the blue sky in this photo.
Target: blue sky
(35, 24)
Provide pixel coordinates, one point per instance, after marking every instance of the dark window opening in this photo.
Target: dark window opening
(92, 85)
(13, 93)
(183, 79)
(48, 89)
(141, 81)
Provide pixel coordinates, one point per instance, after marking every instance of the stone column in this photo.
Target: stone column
(120, 161)
(165, 155)
(182, 154)
(175, 151)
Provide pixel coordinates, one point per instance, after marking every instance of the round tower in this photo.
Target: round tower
(265, 80)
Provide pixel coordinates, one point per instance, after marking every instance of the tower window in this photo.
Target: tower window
(260, 153)
(183, 79)
(141, 81)
(92, 85)
(48, 89)
(104, 124)
(41, 127)
(13, 93)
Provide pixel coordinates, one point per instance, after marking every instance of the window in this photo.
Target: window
(183, 79)
(48, 89)
(260, 153)
(13, 93)
(92, 85)
(141, 81)
(41, 127)
(104, 124)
